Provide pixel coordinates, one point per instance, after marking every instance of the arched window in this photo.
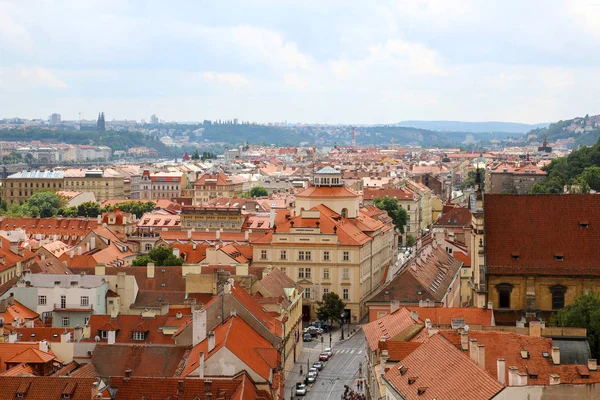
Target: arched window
(345, 212)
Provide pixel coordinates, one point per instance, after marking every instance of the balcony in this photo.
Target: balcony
(73, 307)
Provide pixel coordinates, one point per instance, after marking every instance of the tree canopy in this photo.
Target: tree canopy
(258, 191)
(44, 204)
(330, 308)
(160, 256)
(584, 313)
(395, 211)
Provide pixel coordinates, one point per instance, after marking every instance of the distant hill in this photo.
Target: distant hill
(473, 127)
(582, 130)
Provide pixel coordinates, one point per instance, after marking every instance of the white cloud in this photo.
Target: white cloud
(232, 79)
(415, 56)
(12, 34)
(586, 15)
(31, 77)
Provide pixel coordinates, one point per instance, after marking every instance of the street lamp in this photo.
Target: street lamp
(342, 325)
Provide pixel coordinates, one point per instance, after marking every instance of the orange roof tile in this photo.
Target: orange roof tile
(388, 327)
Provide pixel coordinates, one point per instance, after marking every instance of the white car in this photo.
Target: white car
(313, 370)
(328, 351)
(311, 377)
(300, 389)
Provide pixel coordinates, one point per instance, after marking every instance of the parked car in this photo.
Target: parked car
(307, 337)
(323, 357)
(313, 330)
(324, 325)
(328, 351)
(311, 377)
(318, 365)
(300, 389)
(313, 370)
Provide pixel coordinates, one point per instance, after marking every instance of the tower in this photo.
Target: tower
(101, 124)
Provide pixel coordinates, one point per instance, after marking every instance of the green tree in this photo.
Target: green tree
(28, 158)
(591, 175)
(410, 240)
(470, 180)
(46, 204)
(330, 308)
(395, 211)
(196, 155)
(67, 212)
(89, 209)
(135, 207)
(258, 191)
(160, 256)
(583, 313)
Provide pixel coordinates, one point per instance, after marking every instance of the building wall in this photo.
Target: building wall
(205, 193)
(15, 190)
(104, 188)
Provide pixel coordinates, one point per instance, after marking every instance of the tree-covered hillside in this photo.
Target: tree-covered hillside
(584, 130)
(580, 169)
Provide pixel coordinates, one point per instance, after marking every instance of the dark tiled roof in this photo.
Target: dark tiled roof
(43, 388)
(542, 234)
(142, 360)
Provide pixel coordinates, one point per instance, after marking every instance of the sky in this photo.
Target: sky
(324, 61)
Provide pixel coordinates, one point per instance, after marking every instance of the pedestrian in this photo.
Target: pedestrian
(301, 372)
(357, 385)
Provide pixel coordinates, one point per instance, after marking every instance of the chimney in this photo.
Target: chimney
(65, 337)
(428, 323)
(19, 268)
(522, 379)
(272, 218)
(12, 337)
(193, 245)
(246, 235)
(394, 306)
(92, 243)
(99, 219)
(201, 365)
(384, 357)
(77, 333)
(211, 341)
(150, 270)
(111, 336)
(176, 252)
(227, 286)
(78, 250)
(592, 364)
(513, 376)
(43, 346)
(71, 253)
(535, 329)
(473, 349)
(127, 374)
(490, 305)
(415, 316)
(501, 368)
(464, 341)
(218, 233)
(100, 269)
(481, 356)
(189, 234)
(198, 326)
(555, 355)
(554, 379)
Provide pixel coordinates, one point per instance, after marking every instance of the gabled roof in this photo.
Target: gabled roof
(396, 193)
(142, 360)
(266, 319)
(443, 372)
(327, 191)
(14, 309)
(388, 327)
(276, 282)
(444, 315)
(125, 325)
(508, 345)
(522, 235)
(19, 370)
(31, 356)
(457, 216)
(243, 341)
(46, 387)
(67, 230)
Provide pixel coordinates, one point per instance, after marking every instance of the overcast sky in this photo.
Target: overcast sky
(301, 61)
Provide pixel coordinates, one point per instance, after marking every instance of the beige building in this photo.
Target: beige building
(211, 186)
(514, 178)
(425, 204)
(325, 252)
(22, 185)
(106, 185)
(407, 199)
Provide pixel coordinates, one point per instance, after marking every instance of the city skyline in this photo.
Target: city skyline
(348, 63)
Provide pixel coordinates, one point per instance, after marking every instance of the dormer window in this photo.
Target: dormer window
(584, 225)
(559, 257)
(515, 256)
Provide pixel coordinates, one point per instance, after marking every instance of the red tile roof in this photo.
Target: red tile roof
(398, 349)
(243, 341)
(388, 327)
(69, 230)
(247, 301)
(444, 315)
(45, 387)
(325, 191)
(125, 325)
(31, 356)
(457, 216)
(19, 370)
(441, 371)
(522, 235)
(396, 193)
(41, 333)
(14, 309)
(508, 345)
(219, 179)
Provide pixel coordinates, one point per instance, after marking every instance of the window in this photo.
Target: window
(308, 256)
(408, 207)
(307, 272)
(504, 290)
(346, 256)
(558, 296)
(148, 246)
(559, 257)
(345, 294)
(301, 255)
(300, 272)
(103, 334)
(86, 320)
(325, 273)
(138, 335)
(263, 254)
(325, 256)
(307, 293)
(283, 254)
(283, 269)
(345, 212)
(85, 301)
(42, 300)
(66, 321)
(325, 291)
(345, 275)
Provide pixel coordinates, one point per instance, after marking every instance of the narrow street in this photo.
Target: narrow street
(341, 369)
